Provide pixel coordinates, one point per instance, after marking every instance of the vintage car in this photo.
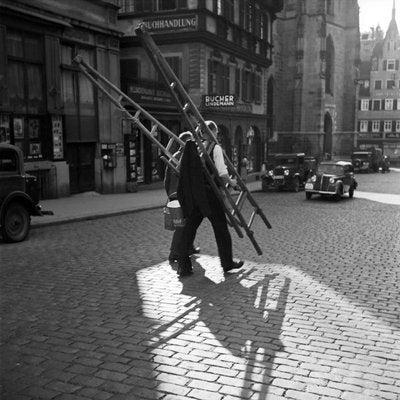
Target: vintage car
(288, 171)
(332, 178)
(384, 165)
(367, 161)
(19, 195)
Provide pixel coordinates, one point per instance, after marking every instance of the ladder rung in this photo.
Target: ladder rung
(186, 107)
(154, 130)
(172, 85)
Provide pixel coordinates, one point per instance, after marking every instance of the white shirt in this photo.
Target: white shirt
(219, 161)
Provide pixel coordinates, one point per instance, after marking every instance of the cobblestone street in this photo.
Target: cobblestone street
(93, 310)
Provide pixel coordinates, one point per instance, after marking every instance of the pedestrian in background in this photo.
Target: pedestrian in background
(243, 168)
(171, 186)
(198, 201)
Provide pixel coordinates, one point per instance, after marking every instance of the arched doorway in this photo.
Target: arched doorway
(327, 146)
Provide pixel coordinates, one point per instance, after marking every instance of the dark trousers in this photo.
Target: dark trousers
(221, 232)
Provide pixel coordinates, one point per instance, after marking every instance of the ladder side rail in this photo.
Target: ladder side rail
(243, 187)
(135, 120)
(78, 59)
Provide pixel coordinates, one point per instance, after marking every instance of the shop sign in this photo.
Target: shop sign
(393, 135)
(173, 23)
(148, 94)
(224, 100)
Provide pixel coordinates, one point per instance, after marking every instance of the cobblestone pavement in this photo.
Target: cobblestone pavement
(92, 310)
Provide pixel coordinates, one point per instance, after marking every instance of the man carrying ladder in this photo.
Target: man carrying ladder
(199, 200)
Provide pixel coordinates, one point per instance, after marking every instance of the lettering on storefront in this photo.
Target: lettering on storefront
(188, 22)
(226, 100)
(149, 94)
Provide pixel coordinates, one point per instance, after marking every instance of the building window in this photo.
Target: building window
(378, 84)
(376, 125)
(388, 104)
(237, 82)
(130, 69)
(329, 68)
(398, 125)
(330, 7)
(377, 105)
(391, 65)
(175, 62)
(212, 76)
(78, 94)
(387, 126)
(26, 91)
(257, 88)
(363, 126)
(364, 104)
(390, 84)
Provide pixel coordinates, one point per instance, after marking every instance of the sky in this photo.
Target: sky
(374, 12)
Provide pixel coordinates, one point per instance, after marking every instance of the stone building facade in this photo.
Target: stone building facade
(221, 50)
(47, 107)
(315, 67)
(378, 111)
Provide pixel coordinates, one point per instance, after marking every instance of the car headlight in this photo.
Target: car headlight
(270, 173)
(286, 172)
(332, 180)
(313, 178)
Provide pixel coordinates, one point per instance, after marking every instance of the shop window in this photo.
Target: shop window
(5, 134)
(27, 134)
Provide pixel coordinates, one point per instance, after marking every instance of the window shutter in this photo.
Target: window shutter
(370, 105)
(385, 65)
(395, 104)
(359, 104)
(369, 129)
(383, 105)
(382, 126)
(397, 65)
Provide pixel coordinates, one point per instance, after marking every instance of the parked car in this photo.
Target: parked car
(288, 171)
(385, 164)
(332, 178)
(367, 161)
(19, 195)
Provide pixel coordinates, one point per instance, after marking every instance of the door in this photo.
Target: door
(80, 157)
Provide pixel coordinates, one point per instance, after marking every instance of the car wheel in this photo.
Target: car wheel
(351, 192)
(308, 195)
(338, 195)
(16, 223)
(264, 186)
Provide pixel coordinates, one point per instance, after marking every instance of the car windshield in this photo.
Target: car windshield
(331, 169)
(363, 156)
(285, 161)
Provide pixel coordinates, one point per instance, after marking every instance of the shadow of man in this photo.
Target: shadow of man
(244, 313)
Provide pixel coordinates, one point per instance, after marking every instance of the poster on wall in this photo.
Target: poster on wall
(57, 131)
(18, 125)
(5, 129)
(33, 128)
